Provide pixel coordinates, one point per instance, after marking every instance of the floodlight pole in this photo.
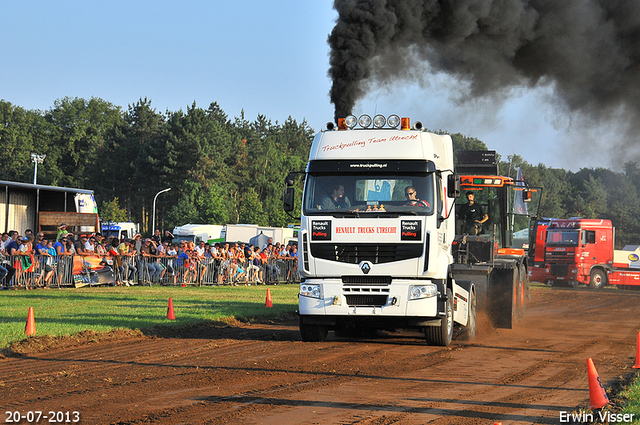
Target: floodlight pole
(153, 223)
(37, 159)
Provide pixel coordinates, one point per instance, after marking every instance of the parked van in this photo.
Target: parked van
(195, 233)
(122, 230)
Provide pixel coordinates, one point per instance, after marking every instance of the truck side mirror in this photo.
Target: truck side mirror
(288, 181)
(453, 186)
(288, 199)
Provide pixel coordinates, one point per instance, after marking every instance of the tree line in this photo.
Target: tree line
(223, 170)
(219, 170)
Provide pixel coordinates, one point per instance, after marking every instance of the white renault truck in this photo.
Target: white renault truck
(377, 225)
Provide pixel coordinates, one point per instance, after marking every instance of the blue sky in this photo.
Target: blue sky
(262, 57)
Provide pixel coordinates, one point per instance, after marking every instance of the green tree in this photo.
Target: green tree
(111, 211)
(555, 193)
(196, 158)
(465, 143)
(594, 196)
(250, 209)
(124, 169)
(213, 204)
(21, 133)
(79, 129)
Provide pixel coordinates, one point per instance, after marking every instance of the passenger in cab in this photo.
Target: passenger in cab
(412, 198)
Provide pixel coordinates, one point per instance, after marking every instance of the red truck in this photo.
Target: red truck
(538, 269)
(580, 251)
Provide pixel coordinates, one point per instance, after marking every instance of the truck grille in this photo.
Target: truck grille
(356, 253)
(560, 257)
(366, 300)
(559, 269)
(366, 280)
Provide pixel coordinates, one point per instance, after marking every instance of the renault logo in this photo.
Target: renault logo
(365, 266)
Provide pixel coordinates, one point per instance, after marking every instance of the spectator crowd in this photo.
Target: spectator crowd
(32, 261)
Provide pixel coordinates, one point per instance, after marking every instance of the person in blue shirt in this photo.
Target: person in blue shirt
(60, 251)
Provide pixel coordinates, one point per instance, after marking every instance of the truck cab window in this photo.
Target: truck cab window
(367, 193)
(589, 237)
(563, 237)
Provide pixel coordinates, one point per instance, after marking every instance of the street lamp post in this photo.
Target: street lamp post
(37, 159)
(153, 223)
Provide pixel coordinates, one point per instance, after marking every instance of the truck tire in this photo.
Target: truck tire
(515, 301)
(502, 296)
(523, 290)
(598, 279)
(443, 334)
(313, 333)
(468, 333)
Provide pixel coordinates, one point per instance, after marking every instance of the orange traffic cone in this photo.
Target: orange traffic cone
(269, 303)
(170, 314)
(30, 327)
(637, 365)
(597, 395)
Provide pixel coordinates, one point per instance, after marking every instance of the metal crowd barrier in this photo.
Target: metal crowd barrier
(40, 271)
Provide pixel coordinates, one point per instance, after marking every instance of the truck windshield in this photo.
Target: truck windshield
(563, 237)
(186, 238)
(369, 193)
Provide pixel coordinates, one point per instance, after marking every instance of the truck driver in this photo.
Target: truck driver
(336, 200)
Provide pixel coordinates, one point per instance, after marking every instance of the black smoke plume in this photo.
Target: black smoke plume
(588, 50)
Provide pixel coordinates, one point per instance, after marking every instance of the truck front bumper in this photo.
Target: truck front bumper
(338, 300)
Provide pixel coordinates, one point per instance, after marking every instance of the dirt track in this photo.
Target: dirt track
(264, 374)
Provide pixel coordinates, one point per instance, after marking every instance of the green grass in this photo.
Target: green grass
(631, 397)
(69, 311)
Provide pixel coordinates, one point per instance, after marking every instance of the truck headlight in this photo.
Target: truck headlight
(417, 292)
(312, 291)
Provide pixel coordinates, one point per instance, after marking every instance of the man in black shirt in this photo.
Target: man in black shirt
(472, 215)
(168, 237)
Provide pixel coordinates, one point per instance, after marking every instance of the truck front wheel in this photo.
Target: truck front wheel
(313, 333)
(443, 334)
(598, 279)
